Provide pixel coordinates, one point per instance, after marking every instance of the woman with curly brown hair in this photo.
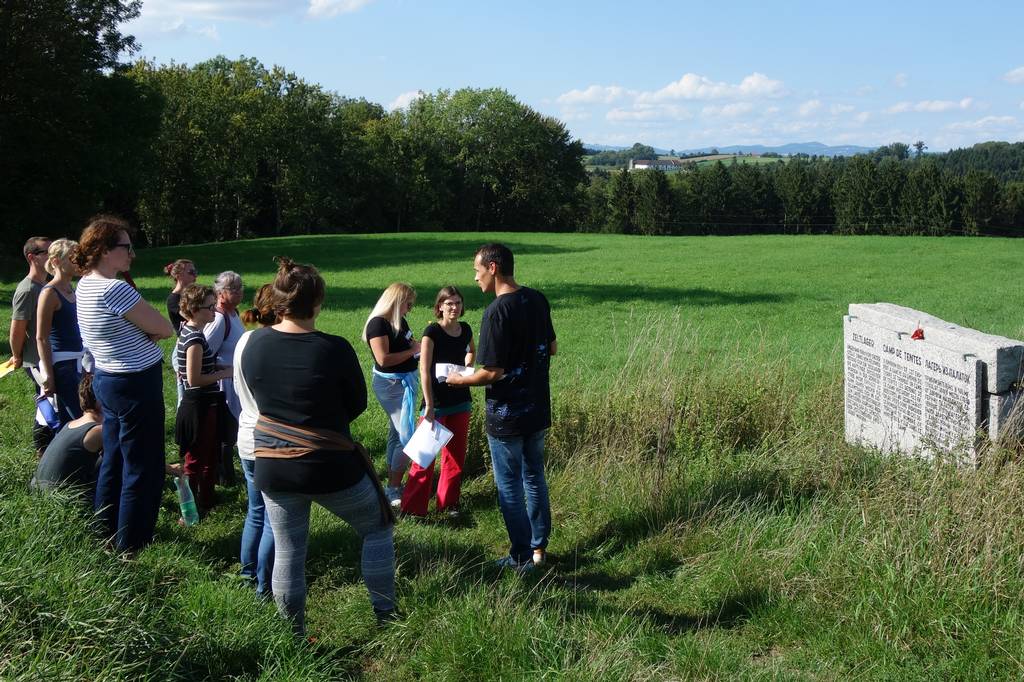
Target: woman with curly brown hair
(120, 330)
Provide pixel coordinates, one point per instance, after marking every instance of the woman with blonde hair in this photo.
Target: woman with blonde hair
(395, 375)
(57, 335)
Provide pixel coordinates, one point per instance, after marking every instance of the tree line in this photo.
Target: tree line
(863, 194)
(228, 149)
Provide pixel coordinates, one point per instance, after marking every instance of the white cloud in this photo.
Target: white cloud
(986, 123)
(332, 8)
(728, 110)
(809, 107)
(930, 106)
(1015, 76)
(214, 10)
(1022, 105)
(863, 117)
(695, 87)
(666, 112)
(595, 94)
(837, 109)
(900, 80)
(404, 100)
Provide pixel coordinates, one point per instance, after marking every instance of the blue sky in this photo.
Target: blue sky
(672, 74)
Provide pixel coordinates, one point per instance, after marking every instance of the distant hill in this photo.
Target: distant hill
(811, 148)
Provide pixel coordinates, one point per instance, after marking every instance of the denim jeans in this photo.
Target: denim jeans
(518, 463)
(65, 378)
(389, 394)
(131, 475)
(257, 555)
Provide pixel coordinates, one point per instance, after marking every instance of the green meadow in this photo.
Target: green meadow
(709, 520)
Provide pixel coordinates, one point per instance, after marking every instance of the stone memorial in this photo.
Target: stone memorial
(920, 385)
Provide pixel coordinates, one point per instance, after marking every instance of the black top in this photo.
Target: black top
(174, 312)
(67, 461)
(378, 326)
(516, 335)
(311, 379)
(187, 337)
(453, 349)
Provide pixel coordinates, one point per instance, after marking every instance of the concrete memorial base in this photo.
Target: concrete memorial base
(930, 395)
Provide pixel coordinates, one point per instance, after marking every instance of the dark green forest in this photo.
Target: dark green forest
(229, 148)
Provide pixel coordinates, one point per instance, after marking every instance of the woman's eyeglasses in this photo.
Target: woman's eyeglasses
(127, 247)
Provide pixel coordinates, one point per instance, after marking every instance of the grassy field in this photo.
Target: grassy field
(709, 520)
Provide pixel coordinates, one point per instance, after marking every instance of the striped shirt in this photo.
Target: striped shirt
(117, 345)
(187, 336)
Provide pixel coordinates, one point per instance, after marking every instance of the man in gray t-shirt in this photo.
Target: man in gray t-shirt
(23, 322)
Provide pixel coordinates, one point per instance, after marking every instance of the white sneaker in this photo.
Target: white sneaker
(394, 495)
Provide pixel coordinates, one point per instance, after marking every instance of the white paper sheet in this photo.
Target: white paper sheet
(426, 442)
(443, 370)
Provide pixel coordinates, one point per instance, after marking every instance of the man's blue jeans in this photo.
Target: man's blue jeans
(518, 463)
(257, 555)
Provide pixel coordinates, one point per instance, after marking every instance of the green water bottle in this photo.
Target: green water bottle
(187, 501)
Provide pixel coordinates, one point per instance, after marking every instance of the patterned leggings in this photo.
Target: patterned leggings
(359, 506)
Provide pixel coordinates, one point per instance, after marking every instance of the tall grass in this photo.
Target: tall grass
(710, 522)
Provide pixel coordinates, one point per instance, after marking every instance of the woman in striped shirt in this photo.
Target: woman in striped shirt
(199, 417)
(120, 330)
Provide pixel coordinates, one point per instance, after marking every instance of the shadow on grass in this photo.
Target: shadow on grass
(766, 490)
(568, 294)
(731, 610)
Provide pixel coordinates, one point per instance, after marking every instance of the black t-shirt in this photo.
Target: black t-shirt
(67, 460)
(378, 326)
(453, 349)
(174, 312)
(516, 334)
(309, 379)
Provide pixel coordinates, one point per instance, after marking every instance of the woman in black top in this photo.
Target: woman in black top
(447, 343)
(72, 457)
(395, 377)
(308, 386)
(183, 272)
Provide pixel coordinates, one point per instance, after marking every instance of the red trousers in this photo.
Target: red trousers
(201, 460)
(416, 496)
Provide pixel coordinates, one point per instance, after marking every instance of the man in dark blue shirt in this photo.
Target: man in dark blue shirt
(517, 341)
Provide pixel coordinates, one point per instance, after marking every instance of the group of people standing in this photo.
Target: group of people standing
(285, 393)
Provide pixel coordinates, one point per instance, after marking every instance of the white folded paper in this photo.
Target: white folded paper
(443, 370)
(426, 442)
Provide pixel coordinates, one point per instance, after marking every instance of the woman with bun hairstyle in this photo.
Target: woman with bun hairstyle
(395, 377)
(58, 338)
(120, 330)
(183, 272)
(257, 553)
(447, 341)
(308, 386)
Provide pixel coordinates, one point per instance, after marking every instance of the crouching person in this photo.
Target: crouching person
(72, 458)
